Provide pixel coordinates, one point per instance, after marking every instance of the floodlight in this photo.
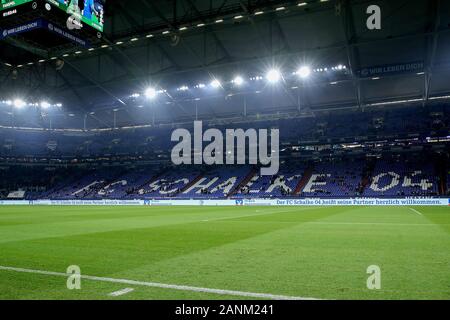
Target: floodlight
(273, 76)
(19, 103)
(45, 105)
(215, 84)
(150, 93)
(238, 80)
(304, 72)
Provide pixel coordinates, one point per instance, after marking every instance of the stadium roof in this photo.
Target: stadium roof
(171, 46)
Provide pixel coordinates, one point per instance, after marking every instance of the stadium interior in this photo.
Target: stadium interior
(344, 132)
(351, 96)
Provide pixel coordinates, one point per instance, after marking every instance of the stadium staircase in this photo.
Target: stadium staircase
(304, 180)
(153, 179)
(367, 174)
(70, 180)
(243, 182)
(441, 183)
(190, 184)
(442, 173)
(60, 187)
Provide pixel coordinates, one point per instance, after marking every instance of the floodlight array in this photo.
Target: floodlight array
(20, 103)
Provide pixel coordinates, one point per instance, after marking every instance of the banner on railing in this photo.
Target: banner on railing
(241, 202)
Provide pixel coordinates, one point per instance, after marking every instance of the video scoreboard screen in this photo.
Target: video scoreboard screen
(8, 4)
(53, 23)
(90, 12)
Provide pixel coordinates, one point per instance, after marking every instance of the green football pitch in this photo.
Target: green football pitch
(225, 252)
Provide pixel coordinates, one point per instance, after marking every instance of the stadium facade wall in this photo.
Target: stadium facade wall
(240, 202)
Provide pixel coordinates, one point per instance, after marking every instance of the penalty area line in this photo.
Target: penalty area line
(162, 285)
(120, 292)
(259, 213)
(414, 210)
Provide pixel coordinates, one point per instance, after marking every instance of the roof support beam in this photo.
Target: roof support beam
(269, 50)
(98, 85)
(352, 52)
(83, 101)
(136, 25)
(287, 47)
(213, 34)
(432, 42)
(44, 54)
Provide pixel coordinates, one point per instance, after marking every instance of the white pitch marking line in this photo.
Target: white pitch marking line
(120, 292)
(254, 215)
(415, 211)
(163, 285)
(374, 224)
